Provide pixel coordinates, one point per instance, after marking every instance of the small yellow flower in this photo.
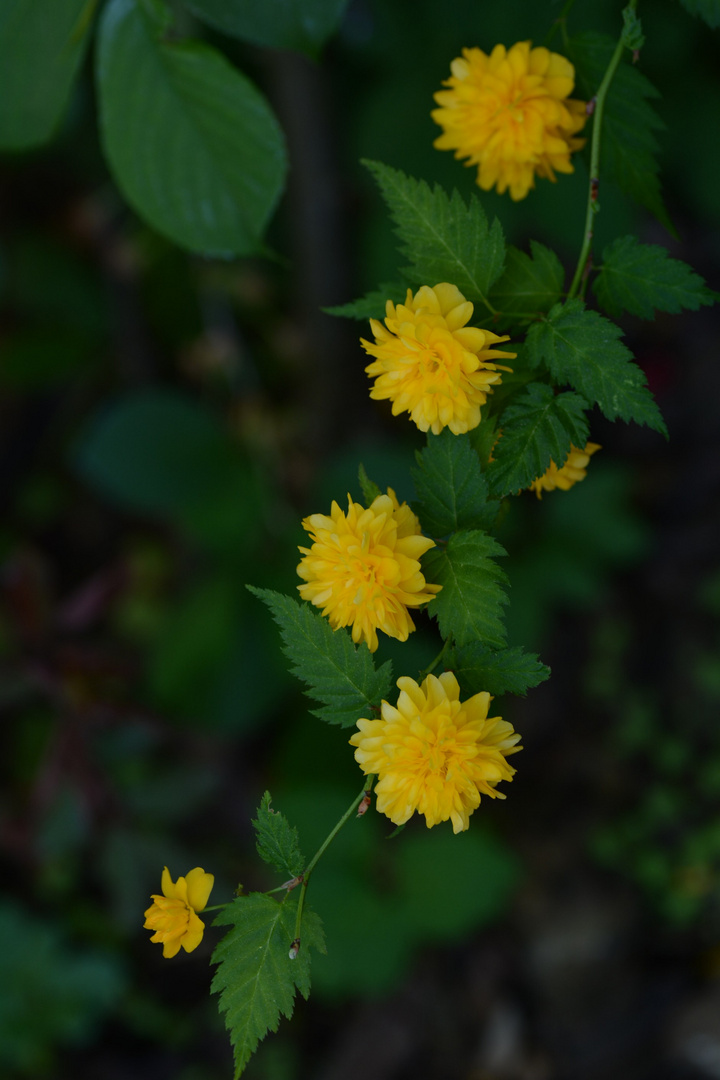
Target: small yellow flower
(430, 364)
(363, 569)
(572, 472)
(509, 113)
(435, 754)
(173, 916)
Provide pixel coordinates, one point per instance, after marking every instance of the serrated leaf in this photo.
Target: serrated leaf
(256, 979)
(709, 10)
(506, 671)
(584, 349)
(628, 150)
(529, 283)
(41, 50)
(640, 278)
(451, 488)
(537, 428)
(444, 239)
(339, 674)
(193, 145)
(278, 843)
(368, 487)
(372, 305)
(470, 605)
(280, 24)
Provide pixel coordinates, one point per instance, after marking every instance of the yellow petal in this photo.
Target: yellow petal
(199, 887)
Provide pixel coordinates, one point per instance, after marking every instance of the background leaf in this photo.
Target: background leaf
(338, 673)
(256, 979)
(278, 843)
(507, 671)
(639, 278)
(452, 490)
(193, 145)
(529, 283)
(372, 305)
(582, 348)
(470, 605)
(281, 24)
(709, 10)
(444, 239)
(537, 427)
(41, 48)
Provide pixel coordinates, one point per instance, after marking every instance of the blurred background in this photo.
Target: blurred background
(166, 421)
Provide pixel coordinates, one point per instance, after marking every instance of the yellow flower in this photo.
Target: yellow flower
(430, 364)
(435, 754)
(572, 472)
(509, 113)
(363, 569)
(173, 916)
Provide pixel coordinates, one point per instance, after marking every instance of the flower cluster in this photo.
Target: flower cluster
(572, 472)
(429, 363)
(435, 754)
(510, 114)
(363, 569)
(173, 916)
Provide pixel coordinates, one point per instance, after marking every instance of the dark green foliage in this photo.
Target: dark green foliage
(506, 671)
(584, 349)
(537, 428)
(281, 24)
(629, 145)
(192, 144)
(451, 488)
(256, 979)
(709, 10)
(470, 604)
(640, 278)
(278, 843)
(529, 283)
(339, 674)
(444, 239)
(40, 54)
(372, 305)
(369, 489)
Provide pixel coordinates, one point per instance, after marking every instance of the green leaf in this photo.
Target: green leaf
(370, 489)
(444, 239)
(629, 146)
(633, 37)
(278, 843)
(193, 145)
(639, 278)
(282, 24)
(256, 979)
(339, 674)
(372, 305)
(582, 348)
(529, 283)
(507, 671)
(452, 490)
(709, 10)
(41, 48)
(470, 603)
(537, 428)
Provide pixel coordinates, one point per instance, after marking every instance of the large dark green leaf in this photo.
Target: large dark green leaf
(639, 278)
(282, 24)
(193, 145)
(529, 283)
(452, 490)
(41, 47)
(470, 604)
(709, 10)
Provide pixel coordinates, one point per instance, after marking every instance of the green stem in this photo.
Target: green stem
(592, 202)
(213, 907)
(431, 667)
(321, 851)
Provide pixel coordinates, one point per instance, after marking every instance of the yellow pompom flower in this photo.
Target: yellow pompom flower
(429, 363)
(509, 113)
(363, 569)
(572, 472)
(435, 754)
(173, 916)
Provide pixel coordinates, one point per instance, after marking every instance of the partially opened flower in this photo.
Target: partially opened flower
(363, 569)
(435, 754)
(429, 363)
(572, 472)
(510, 114)
(173, 916)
